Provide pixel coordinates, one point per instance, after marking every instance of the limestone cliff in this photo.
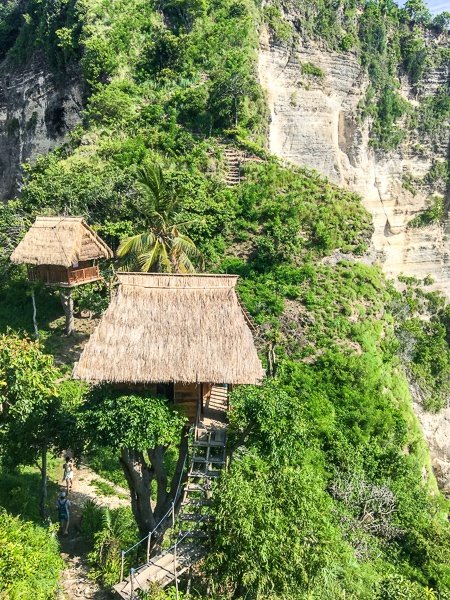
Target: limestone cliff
(37, 110)
(315, 121)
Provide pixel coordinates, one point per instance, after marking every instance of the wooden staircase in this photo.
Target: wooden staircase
(234, 159)
(190, 533)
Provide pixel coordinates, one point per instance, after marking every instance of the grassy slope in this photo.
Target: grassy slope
(158, 84)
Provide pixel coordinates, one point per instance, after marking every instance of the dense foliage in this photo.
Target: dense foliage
(25, 549)
(330, 492)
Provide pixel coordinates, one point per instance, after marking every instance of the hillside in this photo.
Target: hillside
(330, 491)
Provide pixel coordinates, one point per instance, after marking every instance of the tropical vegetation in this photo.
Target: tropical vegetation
(330, 491)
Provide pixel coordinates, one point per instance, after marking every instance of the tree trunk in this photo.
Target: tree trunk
(33, 300)
(139, 478)
(67, 302)
(43, 494)
(156, 456)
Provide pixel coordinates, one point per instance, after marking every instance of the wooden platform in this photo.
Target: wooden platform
(162, 570)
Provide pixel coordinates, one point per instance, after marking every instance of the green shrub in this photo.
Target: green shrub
(434, 213)
(311, 69)
(30, 564)
(282, 30)
(110, 531)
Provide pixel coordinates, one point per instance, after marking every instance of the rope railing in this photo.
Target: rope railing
(148, 537)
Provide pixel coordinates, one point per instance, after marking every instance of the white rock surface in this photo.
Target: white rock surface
(436, 427)
(315, 123)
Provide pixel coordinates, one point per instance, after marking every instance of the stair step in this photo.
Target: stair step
(211, 460)
(202, 475)
(195, 533)
(212, 443)
(191, 517)
(197, 503)
(156, 570)
(195, 487)
(160, 570)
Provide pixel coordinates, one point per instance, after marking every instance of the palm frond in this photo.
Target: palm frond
(183, 244)
(150, 182)
(162, 247)
(149, 259)
(136, 244)
(164, 260)
(130, 262)
(184, 264)
(188, 223)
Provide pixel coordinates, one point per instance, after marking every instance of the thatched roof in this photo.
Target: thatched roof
(180, 328)
(63, 241)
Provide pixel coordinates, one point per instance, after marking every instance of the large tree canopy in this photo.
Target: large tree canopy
(143, 429)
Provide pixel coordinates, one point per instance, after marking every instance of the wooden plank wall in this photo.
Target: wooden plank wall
(186, 396)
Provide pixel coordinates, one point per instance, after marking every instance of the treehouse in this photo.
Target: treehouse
(179, 335)
(61, 251)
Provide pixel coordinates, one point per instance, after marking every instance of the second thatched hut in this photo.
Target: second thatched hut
(62, 252)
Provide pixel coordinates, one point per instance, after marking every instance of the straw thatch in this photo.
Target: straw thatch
(62, 241)
(172, 328)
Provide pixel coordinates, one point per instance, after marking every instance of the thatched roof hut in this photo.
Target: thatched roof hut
(172, 328)
(60, 241)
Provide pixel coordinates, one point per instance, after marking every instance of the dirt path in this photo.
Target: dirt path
(74, 581)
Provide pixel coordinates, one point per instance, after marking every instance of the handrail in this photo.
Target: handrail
(162, 518)
(183, 537)
(149, 536)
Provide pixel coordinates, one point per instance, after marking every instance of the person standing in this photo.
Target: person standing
(63, 506)
(68, 473)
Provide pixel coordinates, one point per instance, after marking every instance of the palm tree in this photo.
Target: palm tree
(163, 247)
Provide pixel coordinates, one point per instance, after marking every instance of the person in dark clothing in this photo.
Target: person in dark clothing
(63, 506)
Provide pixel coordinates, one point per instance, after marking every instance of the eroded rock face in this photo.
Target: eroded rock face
(315, 122)
(37, 110)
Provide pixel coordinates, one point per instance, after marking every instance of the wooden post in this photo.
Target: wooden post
(174, 552)
(121, 565)
(148, 546)
(188, 588)
(33, 300)
(43, 495)
(67, 302)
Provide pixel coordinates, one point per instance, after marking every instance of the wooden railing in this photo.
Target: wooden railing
(53, 275)
(48, 274)
(86, 273)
